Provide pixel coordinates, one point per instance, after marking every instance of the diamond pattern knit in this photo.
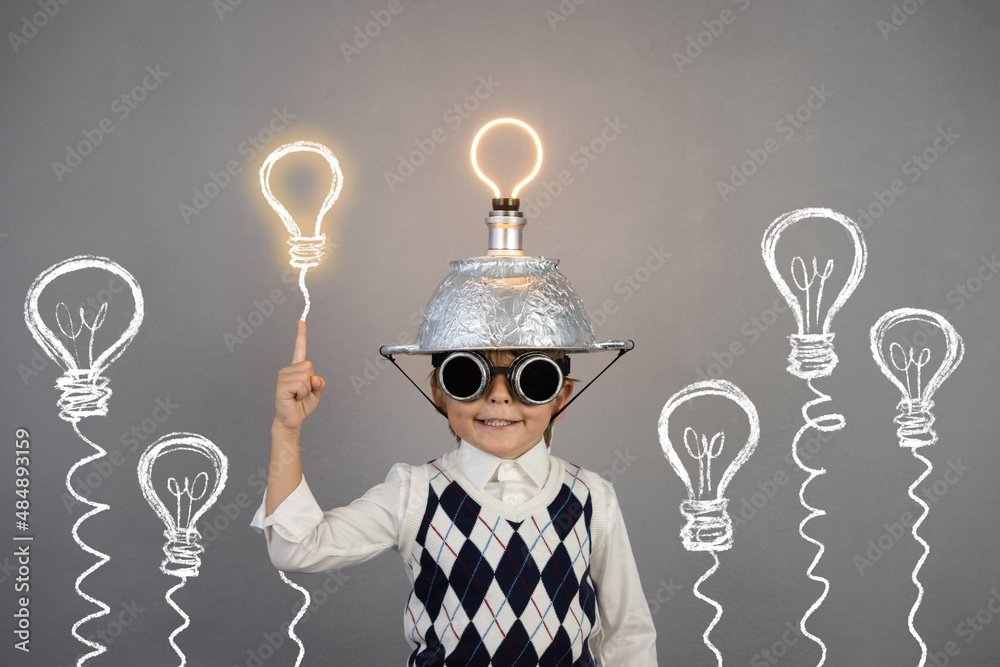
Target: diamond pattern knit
(491, 591)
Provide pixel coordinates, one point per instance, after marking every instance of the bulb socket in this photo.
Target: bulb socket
(85, 393)
(506, 229)
(183, 551)
(709, 526)
(915, 422)
(812, 355)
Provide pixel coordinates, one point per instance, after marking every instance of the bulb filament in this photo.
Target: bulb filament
(804, 282)
(903, 361)
(193, 492)
(703, 450)
(65, 321)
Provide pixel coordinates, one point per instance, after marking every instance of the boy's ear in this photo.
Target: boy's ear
(438, 397)
(562, 398)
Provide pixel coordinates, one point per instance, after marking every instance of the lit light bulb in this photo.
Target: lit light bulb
(306, 251)
(85, 391)
(538, 162)
(184, 501)
(709, 526)
(905, 367)
(812, 352)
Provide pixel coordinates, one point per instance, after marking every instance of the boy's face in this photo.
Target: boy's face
(498, 422)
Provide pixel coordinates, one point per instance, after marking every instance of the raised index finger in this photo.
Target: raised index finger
(299, 354)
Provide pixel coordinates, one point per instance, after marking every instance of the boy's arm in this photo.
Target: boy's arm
(628, 636)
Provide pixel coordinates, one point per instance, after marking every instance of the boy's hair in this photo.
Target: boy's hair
(499, 358)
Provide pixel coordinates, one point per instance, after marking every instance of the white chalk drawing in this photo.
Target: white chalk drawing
(305, 251)
(905, 369)
(85, 391)
(812, 355)
(709, 526)
(181, 504)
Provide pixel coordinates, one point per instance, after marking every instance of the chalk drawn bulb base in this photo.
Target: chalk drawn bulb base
(307, 251)
(915, 421)
(183, 551)
(708, 527)
(812, 355)
(85, 393)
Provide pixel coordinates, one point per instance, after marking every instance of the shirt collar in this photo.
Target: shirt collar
(480, 466)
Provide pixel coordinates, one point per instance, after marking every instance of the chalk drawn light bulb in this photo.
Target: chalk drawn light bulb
(699, 461)
(85, 390)
(915, 373)
(812, 352)
(185, 499)
(306, 251)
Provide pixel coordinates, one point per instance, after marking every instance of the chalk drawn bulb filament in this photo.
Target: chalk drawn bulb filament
(812, 352)
(185, 499)
(538, 161)
(905, 366)
(85, 391)
(709, 526)
(306, 251)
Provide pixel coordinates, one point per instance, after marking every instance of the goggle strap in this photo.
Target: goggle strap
(422, 393)
(617, 357)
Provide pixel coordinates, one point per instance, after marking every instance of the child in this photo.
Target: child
(516, 557)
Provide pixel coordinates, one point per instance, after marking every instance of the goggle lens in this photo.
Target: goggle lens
(462, 377)
(536, 378)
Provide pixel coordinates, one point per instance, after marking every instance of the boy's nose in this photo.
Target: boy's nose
(499, 390)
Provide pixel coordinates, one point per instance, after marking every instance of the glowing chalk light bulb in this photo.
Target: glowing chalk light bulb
(812, 352)
(85, 391)
(905, 368)
(505, 222)
(184, 501)
(709, 526)
(306, 251)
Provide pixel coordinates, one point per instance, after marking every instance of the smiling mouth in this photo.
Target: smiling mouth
(496, 422)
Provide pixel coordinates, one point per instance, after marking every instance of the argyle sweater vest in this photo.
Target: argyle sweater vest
(495, 584)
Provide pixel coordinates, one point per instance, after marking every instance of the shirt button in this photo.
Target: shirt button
(508, 466)
(513, 500)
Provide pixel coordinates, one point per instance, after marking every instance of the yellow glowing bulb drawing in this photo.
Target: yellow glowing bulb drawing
(306, 251)
(526, 128)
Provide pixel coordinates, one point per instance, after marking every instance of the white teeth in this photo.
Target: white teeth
(496, 422)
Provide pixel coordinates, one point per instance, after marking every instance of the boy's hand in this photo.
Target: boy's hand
(298, 390)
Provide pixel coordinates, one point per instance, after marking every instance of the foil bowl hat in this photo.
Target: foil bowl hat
(505, 301)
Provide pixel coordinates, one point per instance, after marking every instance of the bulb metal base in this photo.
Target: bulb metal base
(709, 526)
(915, 423)
(307, 251)
(812, 355)
(506, 227)
(85, 393)
(182, 550)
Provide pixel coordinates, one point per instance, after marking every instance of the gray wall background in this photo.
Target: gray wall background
(888, 93)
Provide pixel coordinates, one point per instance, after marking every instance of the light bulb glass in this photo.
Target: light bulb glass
(709, 527)
(185, 499)
(538, 146)
(904, 365)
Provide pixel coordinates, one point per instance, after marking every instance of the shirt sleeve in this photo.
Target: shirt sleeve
(628, 636)
(303, 538)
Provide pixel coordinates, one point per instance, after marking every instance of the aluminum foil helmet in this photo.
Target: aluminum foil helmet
(504, 300)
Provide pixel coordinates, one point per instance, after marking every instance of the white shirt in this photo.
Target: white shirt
(301, 537)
